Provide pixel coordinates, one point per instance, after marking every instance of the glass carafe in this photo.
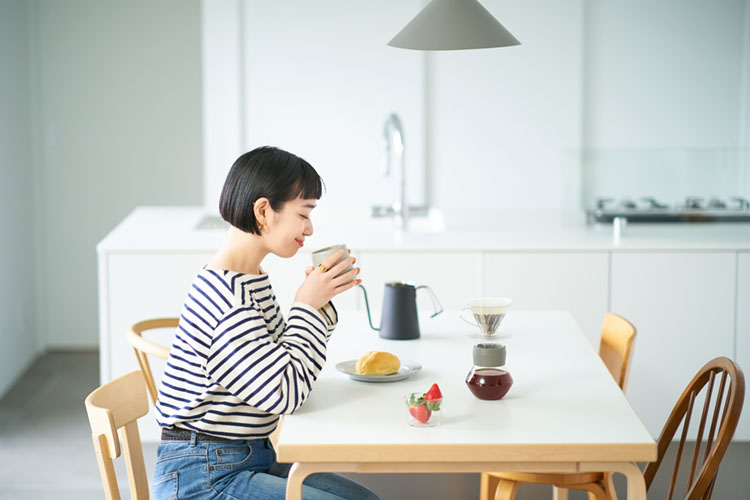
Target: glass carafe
(486, 379)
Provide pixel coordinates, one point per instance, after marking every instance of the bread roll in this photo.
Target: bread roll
(378, 363)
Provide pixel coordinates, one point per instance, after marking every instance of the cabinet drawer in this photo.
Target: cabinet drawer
(683, 307)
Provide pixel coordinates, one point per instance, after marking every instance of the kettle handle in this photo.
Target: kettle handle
(435, 301)
(367, 304)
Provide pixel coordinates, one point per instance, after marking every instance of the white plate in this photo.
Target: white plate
(407, 369)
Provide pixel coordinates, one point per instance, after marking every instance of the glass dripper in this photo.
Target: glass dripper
(488, 313)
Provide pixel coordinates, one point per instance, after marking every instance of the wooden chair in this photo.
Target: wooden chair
(615, 350)
(115, 406)
(143, 348)
(701, 475)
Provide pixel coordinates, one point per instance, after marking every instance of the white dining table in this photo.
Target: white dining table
(564, 412)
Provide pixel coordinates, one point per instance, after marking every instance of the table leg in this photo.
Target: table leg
(559, 493)
(297, 474)
(636, 483)
(634, 476)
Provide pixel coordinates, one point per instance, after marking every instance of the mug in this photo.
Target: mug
(319, 256)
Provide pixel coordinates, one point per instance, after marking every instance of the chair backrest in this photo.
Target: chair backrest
(115, 406)
(144, 347)
(618, 336)
(701, 476)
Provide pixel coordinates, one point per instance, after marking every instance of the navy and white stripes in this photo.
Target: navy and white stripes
(235, 364)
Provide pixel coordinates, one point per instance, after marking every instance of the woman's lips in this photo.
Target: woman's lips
(300, 242)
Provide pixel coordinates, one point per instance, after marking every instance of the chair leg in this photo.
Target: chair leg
(609, 486)
(559, 493)
(506, 490)
(487, 486)
(596, 492)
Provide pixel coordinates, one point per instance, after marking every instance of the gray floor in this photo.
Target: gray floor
(46, 450)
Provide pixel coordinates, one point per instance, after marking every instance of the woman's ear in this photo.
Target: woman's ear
(261, 209)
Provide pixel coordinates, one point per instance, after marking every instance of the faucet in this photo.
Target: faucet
(393, 133)
(400, 210)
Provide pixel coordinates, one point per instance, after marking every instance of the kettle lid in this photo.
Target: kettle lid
(400, 283)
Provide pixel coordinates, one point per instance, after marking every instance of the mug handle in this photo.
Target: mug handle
(461, 315)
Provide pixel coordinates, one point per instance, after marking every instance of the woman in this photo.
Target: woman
(236, 364)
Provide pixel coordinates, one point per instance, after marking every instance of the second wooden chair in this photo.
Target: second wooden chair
(144, 347)
(615, 349)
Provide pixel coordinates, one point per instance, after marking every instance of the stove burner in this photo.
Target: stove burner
(717, 204)
(693, 209)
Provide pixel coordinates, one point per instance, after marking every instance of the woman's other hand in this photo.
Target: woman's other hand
(320, 287)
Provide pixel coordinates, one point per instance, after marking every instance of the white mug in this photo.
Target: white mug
(319, 256)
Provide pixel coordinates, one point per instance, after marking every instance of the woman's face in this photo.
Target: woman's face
(287, 229)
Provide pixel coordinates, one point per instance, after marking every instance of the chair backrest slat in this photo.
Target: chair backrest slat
(136, 467)
(701, 427)
(715, 419)
(678, 460)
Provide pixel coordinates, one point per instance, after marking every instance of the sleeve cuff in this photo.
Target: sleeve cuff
(323, 323)
(331, 315)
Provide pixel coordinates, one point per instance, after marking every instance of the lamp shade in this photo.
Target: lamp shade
(453, 25)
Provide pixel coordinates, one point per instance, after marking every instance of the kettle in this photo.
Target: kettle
(399, 318)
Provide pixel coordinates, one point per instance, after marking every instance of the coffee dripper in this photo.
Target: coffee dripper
(488, 313)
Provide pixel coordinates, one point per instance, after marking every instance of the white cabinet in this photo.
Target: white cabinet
(575, 282)
(683, 306)
(743, 335)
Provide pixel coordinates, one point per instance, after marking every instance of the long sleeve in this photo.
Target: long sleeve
(272, 376)
(236, 364)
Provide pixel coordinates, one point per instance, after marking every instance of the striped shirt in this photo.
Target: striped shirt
(235, 364)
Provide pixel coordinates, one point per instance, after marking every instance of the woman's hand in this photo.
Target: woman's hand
(319, 287)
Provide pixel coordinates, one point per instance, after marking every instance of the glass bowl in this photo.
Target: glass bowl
(421, 413)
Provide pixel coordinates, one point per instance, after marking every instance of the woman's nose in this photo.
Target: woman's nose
(308, 228)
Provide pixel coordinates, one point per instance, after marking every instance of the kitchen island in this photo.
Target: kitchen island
(686, 287)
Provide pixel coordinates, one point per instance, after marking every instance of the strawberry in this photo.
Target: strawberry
(420, 413)
(433, 397)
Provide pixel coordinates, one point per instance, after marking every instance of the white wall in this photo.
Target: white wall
(120, 107)
(120, 112)
(505, 122)
(650, 97)
(663, 74)
(17, 312)
(665, 98)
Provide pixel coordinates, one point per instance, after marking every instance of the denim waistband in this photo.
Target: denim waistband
(176, 434)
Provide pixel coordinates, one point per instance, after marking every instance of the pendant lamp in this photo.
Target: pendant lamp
(453, 25)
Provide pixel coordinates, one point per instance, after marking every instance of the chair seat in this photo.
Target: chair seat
(550, 478)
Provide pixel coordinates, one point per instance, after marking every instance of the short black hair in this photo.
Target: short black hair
(265, 172)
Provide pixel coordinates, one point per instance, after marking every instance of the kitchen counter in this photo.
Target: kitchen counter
(673, 281)
(174, 229)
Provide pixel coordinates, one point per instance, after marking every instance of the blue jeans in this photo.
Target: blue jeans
(238, 470)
